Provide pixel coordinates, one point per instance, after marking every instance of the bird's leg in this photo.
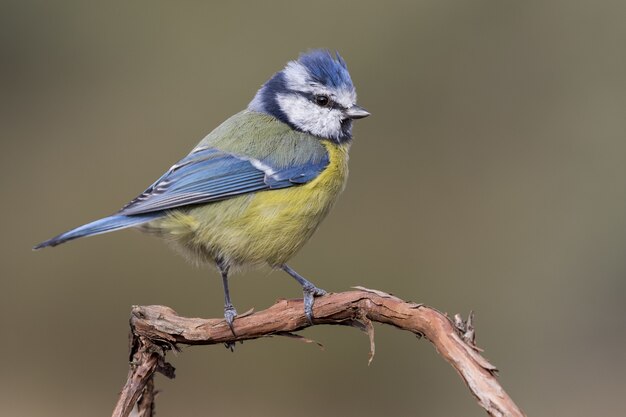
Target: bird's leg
(310, 291)
(229, 311)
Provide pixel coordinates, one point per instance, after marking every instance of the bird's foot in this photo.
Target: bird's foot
(229, 315)
(310, 292)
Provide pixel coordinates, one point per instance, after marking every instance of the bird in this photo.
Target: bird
(255, 189)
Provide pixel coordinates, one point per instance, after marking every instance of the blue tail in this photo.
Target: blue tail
(108, 224)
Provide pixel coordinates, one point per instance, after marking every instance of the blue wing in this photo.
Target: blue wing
(203, 176)
(208, 174)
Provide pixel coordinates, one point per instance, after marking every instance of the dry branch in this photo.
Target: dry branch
(157, 329)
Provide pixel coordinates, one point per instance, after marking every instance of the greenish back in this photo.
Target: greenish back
(260, 136)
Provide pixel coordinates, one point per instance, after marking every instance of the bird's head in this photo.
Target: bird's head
(314, 94)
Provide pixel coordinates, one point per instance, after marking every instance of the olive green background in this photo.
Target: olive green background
(491, 176)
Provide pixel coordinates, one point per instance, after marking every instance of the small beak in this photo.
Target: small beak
(356, 112)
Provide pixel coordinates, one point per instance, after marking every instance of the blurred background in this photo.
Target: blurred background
(491, 176)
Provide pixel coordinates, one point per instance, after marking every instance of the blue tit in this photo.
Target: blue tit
(256, 188)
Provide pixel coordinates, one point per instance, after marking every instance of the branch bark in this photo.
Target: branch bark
(157, 329)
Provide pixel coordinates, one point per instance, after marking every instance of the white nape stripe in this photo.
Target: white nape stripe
(297, 77)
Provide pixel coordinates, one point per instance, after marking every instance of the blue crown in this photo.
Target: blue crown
(327, 69)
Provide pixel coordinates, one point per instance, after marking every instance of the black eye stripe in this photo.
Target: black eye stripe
(331, 103)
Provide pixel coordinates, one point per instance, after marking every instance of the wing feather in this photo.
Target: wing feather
(209, 174)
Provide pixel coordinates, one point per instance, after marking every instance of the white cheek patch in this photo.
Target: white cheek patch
(309, 117)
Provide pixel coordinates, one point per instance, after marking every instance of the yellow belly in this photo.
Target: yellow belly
(265, 227)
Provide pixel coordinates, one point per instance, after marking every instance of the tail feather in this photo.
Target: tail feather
(108, 224)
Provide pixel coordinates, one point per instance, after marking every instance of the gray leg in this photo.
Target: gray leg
(310, 291)
(229, 311)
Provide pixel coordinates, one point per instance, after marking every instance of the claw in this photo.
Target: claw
(310, 292)
(229, 315)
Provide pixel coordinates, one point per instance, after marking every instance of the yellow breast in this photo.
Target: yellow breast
(265, 227)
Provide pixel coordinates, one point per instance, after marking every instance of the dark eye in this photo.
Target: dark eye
(322, 100)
